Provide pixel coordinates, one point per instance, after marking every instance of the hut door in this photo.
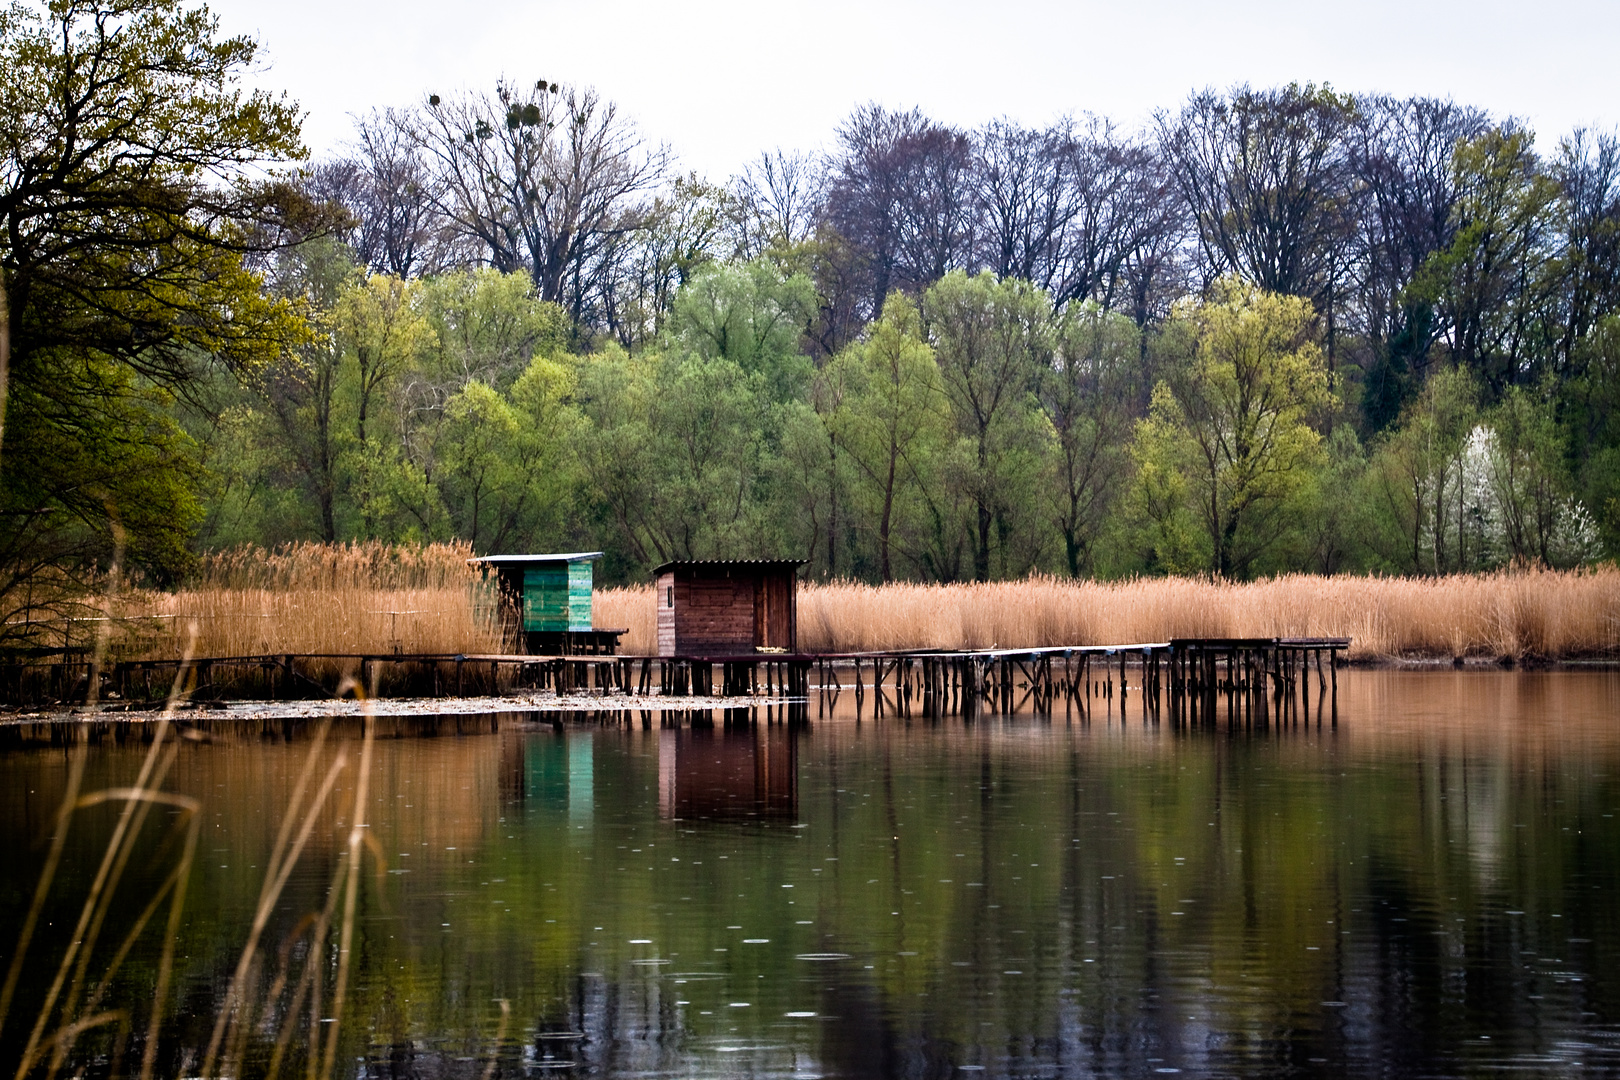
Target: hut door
(773, 606)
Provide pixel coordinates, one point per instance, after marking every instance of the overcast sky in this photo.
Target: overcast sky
(721, 80)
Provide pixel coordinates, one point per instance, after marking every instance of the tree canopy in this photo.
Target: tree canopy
(1278, 328)
(133, 213)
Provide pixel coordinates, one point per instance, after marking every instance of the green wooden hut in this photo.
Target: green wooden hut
(546, 602)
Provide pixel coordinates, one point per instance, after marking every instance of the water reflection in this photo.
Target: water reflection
(741, 772)
(1431, 889)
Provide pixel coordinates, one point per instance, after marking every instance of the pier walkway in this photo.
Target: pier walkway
(1186, 680)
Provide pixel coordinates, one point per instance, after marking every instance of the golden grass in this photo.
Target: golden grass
(1526, 613)
(320, 598)
(373, 598)
(633, 608)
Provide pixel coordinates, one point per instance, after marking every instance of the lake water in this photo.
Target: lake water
(1429, 888)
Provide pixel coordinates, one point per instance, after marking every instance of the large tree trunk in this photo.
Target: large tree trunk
(5, 357)
(832, 514)
(883, 526)
(981, 551)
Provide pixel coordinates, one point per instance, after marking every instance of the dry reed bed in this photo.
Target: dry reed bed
(319, 598)
(315, 598)
(1550, 614)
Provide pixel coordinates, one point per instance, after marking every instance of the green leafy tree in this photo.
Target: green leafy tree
(379, 326)
(292, 413)
(618, 455)
(1160, 504)
(487, 326)
(993, 342)
(1231, 431)
(1487, 284)
(752, 316)
(1335, 526)
(893, 420)
(1590, 411)
(1418, 475)
(828, 391)
(1087, 397)
(679, 454)
(806, 483)
(506, 476)
(718, 407)
(1526, 473)
(132, 206)
(1529, 486)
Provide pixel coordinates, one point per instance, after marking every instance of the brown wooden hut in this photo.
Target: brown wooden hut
(730, 608)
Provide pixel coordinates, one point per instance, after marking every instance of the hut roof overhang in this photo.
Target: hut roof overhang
(726, 564)
(522, 560)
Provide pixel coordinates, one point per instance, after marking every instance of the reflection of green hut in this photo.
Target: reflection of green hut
(546, 599)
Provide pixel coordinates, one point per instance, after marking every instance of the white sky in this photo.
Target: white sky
(721, 80)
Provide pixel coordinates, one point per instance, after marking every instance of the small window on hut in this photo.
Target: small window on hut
(669, 596)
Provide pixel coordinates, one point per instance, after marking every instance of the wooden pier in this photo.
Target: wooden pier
(1185, 682)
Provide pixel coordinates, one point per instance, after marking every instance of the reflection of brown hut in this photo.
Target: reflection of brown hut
(749, 772)
(728, 608)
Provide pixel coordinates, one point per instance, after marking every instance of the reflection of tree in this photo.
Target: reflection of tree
(1371, 868)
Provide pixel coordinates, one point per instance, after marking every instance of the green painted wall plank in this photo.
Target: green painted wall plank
(545, 598)
(557, 597)
(579, 595)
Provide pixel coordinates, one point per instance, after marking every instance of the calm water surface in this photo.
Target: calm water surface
(1432, 888)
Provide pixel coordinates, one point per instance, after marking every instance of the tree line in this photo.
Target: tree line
(1275, 329)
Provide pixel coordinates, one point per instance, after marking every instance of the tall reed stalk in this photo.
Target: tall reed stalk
(375, 598)
(1524, 613)
(64, 1013)
(321, 598)
(72, 1004)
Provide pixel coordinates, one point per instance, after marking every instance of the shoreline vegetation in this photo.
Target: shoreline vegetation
(1525, 615)
(316, 598)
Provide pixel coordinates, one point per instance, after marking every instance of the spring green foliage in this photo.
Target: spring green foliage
(891, 421)
(994, 343)
(972, 434)
(1416, 479)
(1404, 355)
(1486, 283)
(688, 444)
(416, 410)
(1228, 445)
(1591, 421)
(1085, 396)
(132, 204)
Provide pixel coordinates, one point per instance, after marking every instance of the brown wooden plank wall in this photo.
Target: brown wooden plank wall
(774, 611)
(726, 611)
(666, 613)
(714, 616)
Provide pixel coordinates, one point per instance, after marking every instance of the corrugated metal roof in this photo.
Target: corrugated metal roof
(564, 556)
(760, 563)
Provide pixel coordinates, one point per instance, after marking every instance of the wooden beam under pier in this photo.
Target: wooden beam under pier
(1180, 675)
